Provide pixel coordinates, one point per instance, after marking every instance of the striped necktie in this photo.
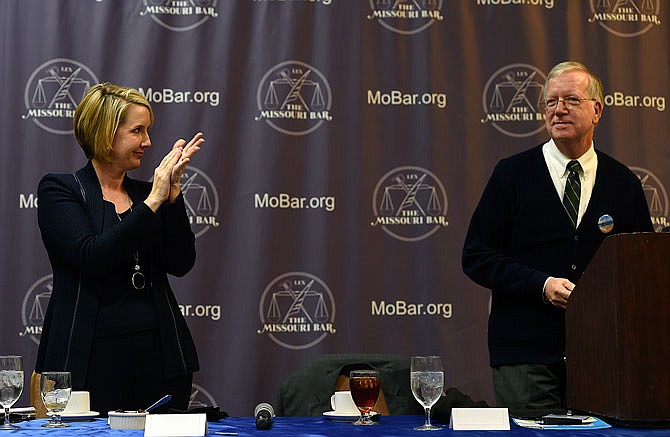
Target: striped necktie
(573, 188)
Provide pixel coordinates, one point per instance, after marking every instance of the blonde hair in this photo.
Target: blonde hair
(99, 115)
(594, 89)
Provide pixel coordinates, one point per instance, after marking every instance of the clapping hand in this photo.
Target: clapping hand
(187, 151)
(167, 176)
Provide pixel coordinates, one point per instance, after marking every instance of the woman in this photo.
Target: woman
(113, 320)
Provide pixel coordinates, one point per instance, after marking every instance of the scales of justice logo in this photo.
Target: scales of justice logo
(297, 310)
(410, 204)
(200, 398)
(294, 98)
(180, 15)
(53, 91)
(34, 308)
(406, 17)
(201, 199)
(657, 197)
(626, 18)
(511, 100)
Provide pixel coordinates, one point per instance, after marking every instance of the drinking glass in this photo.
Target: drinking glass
(364, 386)
(11, 385)
(55, 388)
(427, 381)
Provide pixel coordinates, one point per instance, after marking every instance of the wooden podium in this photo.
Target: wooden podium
(618, 332)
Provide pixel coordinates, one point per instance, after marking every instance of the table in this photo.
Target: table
(390, 426)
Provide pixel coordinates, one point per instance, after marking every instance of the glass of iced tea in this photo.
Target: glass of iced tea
(364, 386)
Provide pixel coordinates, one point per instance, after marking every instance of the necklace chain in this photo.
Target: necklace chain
(137, 279)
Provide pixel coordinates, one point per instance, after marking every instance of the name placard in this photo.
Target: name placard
(175, 425)
(479, 419)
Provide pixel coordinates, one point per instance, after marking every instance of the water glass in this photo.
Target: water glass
(55, 388)
(427, 381)
(11, 386)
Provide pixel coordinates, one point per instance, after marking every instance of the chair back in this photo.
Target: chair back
(307, 391)
(36, 397)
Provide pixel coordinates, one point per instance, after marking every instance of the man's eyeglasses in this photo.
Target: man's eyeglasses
(568, 102)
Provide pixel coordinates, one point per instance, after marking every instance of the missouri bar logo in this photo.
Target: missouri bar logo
(626, 18)
(406, 17)
(53, 91)
(297, 311)
(511, 100)
(200, 398)
(34, 308)
(201, 199)
(409, 204)
(657, 197)
(294, 98)
(180, 15)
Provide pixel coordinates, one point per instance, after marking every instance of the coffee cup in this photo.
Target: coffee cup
(80, 402)
(342, 402)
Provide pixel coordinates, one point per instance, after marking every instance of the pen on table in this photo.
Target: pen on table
(225, 433)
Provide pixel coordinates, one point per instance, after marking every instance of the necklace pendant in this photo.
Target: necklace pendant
(138, 280)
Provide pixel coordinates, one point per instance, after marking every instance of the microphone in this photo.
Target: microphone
(264, 414)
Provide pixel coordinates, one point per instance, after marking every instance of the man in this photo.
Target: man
(529, 243)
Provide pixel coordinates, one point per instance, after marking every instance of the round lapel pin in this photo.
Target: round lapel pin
(606, 223)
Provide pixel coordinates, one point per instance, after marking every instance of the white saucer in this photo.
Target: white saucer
(337, 415)
(79, 416)
(20, 410)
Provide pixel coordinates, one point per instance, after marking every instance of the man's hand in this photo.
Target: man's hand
(557, 291)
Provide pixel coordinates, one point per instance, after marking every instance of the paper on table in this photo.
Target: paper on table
(590, 423)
